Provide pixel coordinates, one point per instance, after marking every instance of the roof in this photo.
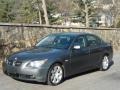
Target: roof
(71, 33)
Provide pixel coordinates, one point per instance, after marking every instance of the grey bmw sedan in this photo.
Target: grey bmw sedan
(58, 56)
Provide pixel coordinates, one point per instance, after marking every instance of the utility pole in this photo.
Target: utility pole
(45, 12)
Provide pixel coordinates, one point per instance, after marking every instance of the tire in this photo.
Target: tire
(105, 63)
(55, 75)
(4, 70)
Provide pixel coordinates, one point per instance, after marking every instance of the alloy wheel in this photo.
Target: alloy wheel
(55, 75)
(105, 63)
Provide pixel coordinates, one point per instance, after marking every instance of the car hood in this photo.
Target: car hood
(38, 54)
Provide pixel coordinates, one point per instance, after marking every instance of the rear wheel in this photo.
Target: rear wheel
(55, 75)
(105, 63)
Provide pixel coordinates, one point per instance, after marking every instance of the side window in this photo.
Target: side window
(80, 41)
(93, 40)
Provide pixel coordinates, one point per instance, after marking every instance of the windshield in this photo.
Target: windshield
(56, 41)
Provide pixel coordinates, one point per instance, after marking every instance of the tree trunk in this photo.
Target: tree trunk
(40, 19)
(86, 16)
(39, 13)
(45, 12)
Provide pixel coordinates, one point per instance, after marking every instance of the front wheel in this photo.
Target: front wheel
(105, 63)
(55, 75)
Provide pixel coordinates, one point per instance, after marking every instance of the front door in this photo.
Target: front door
(79, 57)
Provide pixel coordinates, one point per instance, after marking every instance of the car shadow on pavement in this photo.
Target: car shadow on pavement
(31, 82)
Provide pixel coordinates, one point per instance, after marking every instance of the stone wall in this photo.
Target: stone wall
(14, 37)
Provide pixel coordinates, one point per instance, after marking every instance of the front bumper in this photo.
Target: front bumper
(26, 74)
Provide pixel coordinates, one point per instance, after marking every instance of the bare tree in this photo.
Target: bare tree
(45, 12)
(87, 15)
(86, 10)
(113, 8)
(39, 11)
(115, 11)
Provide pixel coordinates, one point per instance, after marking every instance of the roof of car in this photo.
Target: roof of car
(72, 33)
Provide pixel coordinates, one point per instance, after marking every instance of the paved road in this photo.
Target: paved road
(96, 80)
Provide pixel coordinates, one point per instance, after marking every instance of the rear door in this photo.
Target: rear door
(94, 44)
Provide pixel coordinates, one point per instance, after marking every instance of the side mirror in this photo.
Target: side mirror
(76, 47)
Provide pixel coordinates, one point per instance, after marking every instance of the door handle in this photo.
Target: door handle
(66, 60)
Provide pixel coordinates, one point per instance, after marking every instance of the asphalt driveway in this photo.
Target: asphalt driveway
(92, 80)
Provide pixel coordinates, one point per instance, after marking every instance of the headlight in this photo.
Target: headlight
(36, 64)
